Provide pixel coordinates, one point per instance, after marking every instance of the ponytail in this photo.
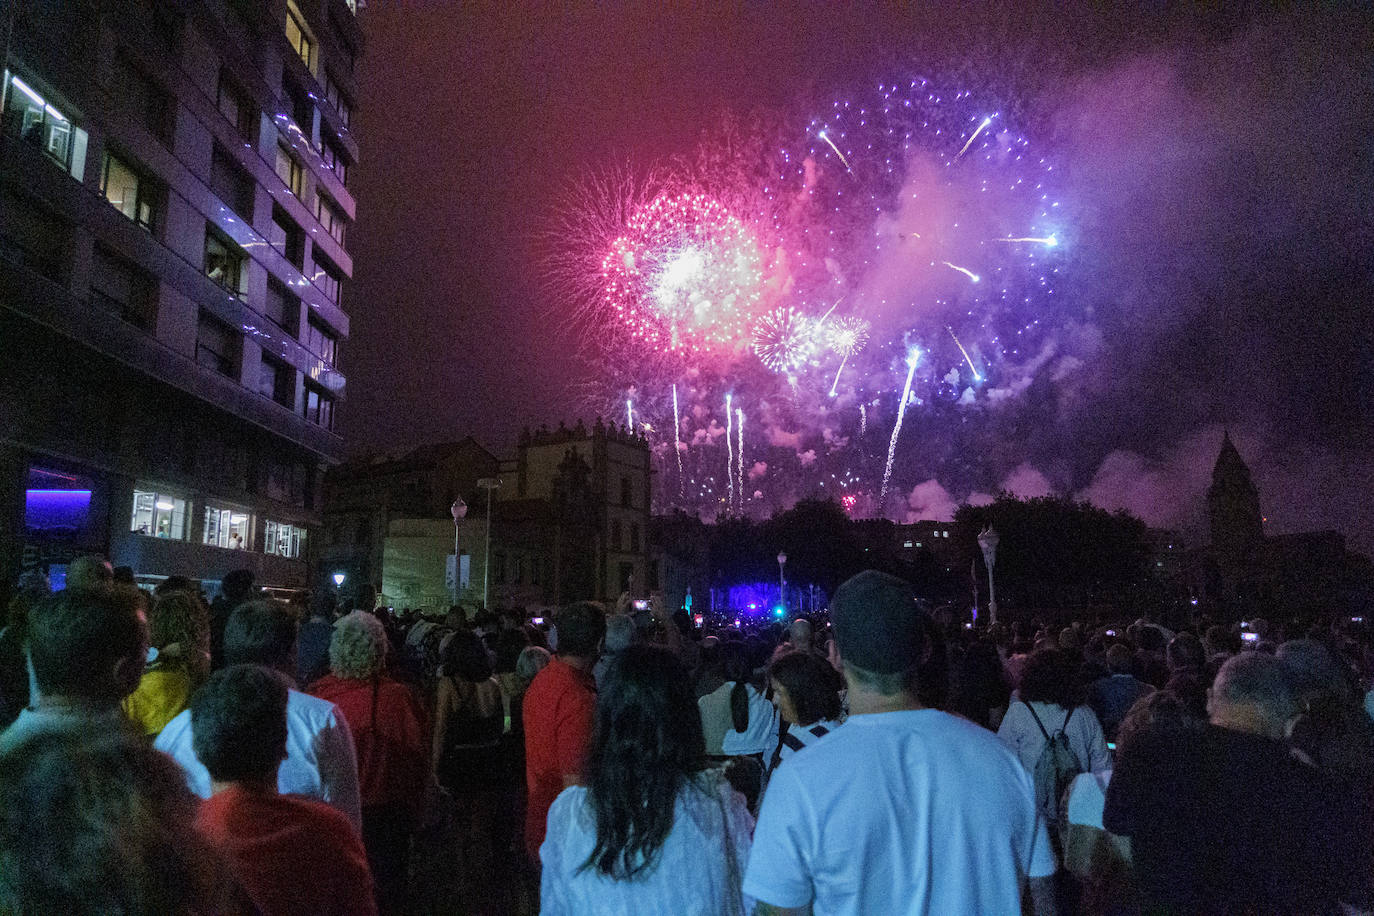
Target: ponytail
(739, 705)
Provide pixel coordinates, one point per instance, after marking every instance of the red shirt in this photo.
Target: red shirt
(558, 711)
(291, 854)
(393, 754)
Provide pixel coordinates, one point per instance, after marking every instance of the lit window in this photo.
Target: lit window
(129, 193)
(225, 527)
(289, 171)
(224, 263)
(283, 540)
(39, 124)
(159, 515)
(299, 37)
(906, 544)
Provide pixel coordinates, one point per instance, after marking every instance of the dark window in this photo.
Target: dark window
(327, 278)
(617, 535)
(330, 217)
(634, 538)
(122, 289)
(321, 341)
(148, 101)
(277, 381)
(216, 345)
(287, 237)
(33, 237)
(498, 568)
(131, 193)
(625, 493)
(319, 407)
(335, 160)
(627, 573)
(336, 98)
(281, 306)
(231, 184)
(224, 262)
(234, 104)
(652, 584)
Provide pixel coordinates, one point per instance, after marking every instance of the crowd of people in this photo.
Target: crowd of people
(162, 753)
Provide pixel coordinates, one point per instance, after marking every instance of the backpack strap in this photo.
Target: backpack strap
(1037, 720)
(1065, 727)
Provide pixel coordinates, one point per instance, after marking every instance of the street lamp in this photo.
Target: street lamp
(338, 580)
(987, 539)
(488, 484)
(459, 511)
(782, 582)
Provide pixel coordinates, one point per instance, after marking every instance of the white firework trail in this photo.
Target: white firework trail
(911, 360)
(677, 443)
(730, 450)
(863, 420)
(739, 426)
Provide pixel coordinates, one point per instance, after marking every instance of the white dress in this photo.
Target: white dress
(689, 878)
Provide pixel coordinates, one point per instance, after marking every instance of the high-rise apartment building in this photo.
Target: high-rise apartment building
(174, 210)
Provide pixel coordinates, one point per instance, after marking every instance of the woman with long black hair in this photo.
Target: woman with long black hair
(654, 830)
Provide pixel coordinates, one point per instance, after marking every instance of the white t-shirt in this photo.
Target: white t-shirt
(913, 812)
(321, 762)
(760, 736)
(690, 877)
(1020, 733)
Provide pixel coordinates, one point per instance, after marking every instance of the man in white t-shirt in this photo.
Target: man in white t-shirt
(321, 761)
(902, 809)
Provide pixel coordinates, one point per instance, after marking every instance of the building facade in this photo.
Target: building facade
(174, 210)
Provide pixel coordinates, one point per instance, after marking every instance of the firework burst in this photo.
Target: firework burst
(785, 340)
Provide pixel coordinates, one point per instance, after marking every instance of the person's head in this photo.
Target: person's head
(1050, 676)
(804, 689)
(238, 724)
(179, 626)
(99, 822)
(1220, 641)
(620, 632)
(1069, 639)
(89, 572)
(646, 743)
(532, 660)
(1252, 693)
(237, 585)
(465, 656)
(358, 646)
(1314, 672)
(800, 634)
(581, 627)
(881, 635)
(1159, 711)
(1185, 652)
(124, 575)
(175, 584)
(261, 633)
(1191, 689)
(1120, 659)
(88, 646)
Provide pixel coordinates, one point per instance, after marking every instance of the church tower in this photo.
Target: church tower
(1233, 508)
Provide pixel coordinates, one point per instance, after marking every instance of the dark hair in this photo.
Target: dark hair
(646, 744)
(809, 685)
(174, 584)
(734, 657)
(238, 723)
(1160, 711)
(1120, 659)
(465, 655)
(237, 585)
(96, 821)
(1185, 651)
(75, 637)
(1050, 676)
(260, 633)
(581, 627)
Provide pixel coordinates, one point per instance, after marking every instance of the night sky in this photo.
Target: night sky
(1220, 169)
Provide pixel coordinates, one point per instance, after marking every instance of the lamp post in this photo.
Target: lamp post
(459, 511)
(488, 484)
(782, 581)
(987, 540)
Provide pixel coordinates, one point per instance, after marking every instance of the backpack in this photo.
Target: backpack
(1055, 769)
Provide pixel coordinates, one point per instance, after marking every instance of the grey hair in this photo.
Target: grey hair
(620, 632)
(358, 647)
(1313, 669)
(1258, 680)
(531, 661)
